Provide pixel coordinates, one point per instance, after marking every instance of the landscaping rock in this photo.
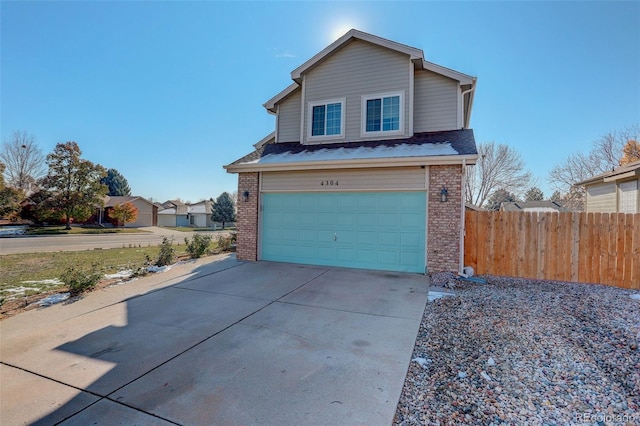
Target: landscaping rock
(517, 351)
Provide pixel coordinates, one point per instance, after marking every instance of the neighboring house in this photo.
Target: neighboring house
(200, 214)
(369, 138)
(474, 208)
(176, 213)
(615, 191)
(147, 211)
(532, 206)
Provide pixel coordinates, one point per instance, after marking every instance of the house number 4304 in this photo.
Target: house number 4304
(328, 183)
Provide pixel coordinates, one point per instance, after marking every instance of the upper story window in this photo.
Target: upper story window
(326, 119)
(382, 114)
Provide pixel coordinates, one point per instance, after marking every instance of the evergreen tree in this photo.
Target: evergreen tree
(223, 209)
(534, 194)
(117, 184)
(498, 197)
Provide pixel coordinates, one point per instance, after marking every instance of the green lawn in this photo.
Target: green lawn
(38, 267)
(59, 230)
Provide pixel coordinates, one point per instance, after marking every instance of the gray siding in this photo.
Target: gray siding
(289, 118)
(435, 102)
(359, 68)
(602, 198)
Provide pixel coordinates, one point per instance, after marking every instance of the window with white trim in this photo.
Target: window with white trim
(382, 114)
(326, 119)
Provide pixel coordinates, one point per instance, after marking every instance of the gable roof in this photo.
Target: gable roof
(450, 147)
(111, 201)
(416, 55)
(627, 171)
(531, 206)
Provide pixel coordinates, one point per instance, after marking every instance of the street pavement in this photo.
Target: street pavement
(46, 243)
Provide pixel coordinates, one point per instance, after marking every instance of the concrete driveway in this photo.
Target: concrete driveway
(229, 343)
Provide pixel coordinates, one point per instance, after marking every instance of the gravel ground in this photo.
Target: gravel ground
(519, 351)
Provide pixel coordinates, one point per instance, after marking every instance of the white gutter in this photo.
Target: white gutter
(353, 163)
(466, 118)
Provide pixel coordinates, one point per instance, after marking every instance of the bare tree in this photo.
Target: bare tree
(605, 155)
(24, 162)
(498, 167)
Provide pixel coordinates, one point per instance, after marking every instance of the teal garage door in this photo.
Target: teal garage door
(368, 230)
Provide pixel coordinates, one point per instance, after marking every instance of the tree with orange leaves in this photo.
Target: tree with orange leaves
(124, 213)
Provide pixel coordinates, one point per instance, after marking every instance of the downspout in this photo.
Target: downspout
(464, 115)
(462, 216)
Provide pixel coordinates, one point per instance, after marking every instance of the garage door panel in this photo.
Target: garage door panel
(410, 241)
(366, 238)
(326, 253)
(290, 235)
(367, 201)
(307, 203)
(346, 219)
(308, 235)
(325, 219)
(389, 238)
(346, 202)
(367, 219)
(410, 258)
(327, 203)
(388, 257)
(373, 230)
(414, 221)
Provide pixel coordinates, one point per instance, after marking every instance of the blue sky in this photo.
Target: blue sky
(169, 92)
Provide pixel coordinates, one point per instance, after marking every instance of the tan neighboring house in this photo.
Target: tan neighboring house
(616, 191)
(365, 166)
(147, 211)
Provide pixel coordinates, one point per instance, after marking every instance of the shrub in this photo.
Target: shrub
(167, 252)
(227, 242)
(80, 280)
(198, 245)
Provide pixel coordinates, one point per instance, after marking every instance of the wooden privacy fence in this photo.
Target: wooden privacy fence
(579, 247)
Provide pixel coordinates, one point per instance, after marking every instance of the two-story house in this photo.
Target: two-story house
(365, 167)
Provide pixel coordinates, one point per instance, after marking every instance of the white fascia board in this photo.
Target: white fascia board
(354, 164)
(413, 52)
(271, 103)
(448, 72)
(271, 136)
(629, 174)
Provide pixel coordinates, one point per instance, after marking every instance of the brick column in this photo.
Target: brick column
(444, 222)
(247, 220)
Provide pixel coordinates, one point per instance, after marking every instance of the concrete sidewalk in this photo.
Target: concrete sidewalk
(220, 342)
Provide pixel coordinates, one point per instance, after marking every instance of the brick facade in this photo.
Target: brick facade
(444, 221)
(247, 217)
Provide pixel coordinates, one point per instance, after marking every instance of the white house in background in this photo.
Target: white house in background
(199, 214)
(176, 213)
(545, 206)
(616, 191)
